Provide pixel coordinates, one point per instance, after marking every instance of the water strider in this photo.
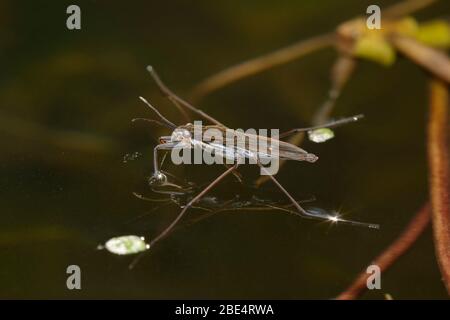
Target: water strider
(183, 136)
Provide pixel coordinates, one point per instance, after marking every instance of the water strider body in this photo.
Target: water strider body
(233, 146)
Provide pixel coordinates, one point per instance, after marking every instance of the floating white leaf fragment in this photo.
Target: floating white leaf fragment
(124, 245)
(320, 135)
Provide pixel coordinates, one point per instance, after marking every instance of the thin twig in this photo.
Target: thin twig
(259, 64)
(290, 53)
(406, 7)
(438, 159)
(341, 72)
(408, 237)
(433, 60)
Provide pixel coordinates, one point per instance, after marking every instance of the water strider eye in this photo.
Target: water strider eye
(180, 134)
(158, 178)
(186, 134)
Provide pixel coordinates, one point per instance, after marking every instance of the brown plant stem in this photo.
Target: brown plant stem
(262, 63)
(433, 60)
(290, 53)
(387, 258)
(406, 7)
(438, 160)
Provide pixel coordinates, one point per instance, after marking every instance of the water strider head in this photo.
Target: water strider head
(180, 134)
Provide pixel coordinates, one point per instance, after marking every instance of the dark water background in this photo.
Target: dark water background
(67, 98)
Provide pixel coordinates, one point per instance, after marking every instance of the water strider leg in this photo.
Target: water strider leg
(190, 203)
(163, 146)
(158, 177)
(304, 213)
(167, 122)
(177, 100)
(325, 125)
(151, 121)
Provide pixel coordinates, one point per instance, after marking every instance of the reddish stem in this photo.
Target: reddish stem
(408, 237)
(438, 159)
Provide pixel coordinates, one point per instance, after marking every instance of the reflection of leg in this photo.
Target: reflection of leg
(141, 197)
(145, 214)
(191, 203)
(181, 214)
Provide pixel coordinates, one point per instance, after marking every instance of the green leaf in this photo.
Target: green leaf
(376, 49)
(435, 34)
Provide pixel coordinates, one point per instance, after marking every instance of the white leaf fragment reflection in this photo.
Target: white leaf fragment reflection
(124, 245)
(320, 135)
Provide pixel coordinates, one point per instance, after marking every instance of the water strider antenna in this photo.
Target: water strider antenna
(164, 119)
